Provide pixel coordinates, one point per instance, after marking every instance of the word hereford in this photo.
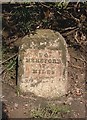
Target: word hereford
(32, 60)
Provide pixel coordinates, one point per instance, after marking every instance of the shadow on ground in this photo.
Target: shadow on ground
(4, 112)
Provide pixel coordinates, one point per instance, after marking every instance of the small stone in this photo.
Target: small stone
(16, 105)
(26, 105)
(76, 81)
(5, 110)
(2, 97)
(38, 27)
(78, 114)
(25, 112)
(78, 92)
(80, 101)
(70, 103)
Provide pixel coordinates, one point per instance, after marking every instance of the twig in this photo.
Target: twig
(76, 37)
(50, 8)
(44, 5)
(2, 71)
(78, 67)
(76, 19)
(6, 14)
(70, 32)
(12, 41)
(77, 3)
(70, 28)
(83, 60)
(9, 58)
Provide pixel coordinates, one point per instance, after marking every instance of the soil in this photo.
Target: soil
(71, 105)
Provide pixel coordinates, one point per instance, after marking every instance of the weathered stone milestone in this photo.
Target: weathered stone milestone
(43, 64)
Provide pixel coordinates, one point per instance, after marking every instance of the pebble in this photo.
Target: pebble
(78, 92)
(16, 105)
(25, 112)
(5, 110)
(70, 103)
(26, 105)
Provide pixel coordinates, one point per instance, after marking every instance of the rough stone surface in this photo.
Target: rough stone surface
(43, 61)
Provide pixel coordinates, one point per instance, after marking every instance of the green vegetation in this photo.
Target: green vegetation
(50, 111)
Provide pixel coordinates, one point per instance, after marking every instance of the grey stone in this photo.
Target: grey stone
(43, 63)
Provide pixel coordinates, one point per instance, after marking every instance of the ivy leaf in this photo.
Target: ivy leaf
(11, 65)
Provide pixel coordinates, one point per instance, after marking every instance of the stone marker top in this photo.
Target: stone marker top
(46, 39)
(43, 64)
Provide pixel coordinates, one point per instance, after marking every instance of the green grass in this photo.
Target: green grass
(50, 111)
